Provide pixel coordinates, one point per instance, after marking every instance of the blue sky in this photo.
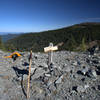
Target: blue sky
(41, 15)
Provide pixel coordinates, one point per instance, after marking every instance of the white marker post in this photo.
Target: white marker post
(50, 50)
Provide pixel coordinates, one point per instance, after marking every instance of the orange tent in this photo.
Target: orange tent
(15, 53)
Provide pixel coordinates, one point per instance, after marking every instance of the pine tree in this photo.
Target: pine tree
(73, 42)
(83, 45)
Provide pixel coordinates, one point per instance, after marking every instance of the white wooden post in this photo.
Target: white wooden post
(50, 55)
(50, 50)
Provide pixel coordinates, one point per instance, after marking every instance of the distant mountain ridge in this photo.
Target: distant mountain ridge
(10, 35)
(72, 37)
(7, 37)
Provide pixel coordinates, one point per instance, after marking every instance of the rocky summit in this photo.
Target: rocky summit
(71, 76)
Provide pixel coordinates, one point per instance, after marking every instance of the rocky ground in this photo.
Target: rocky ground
(71, 76)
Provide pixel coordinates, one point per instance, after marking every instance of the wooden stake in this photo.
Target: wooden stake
(28, 86)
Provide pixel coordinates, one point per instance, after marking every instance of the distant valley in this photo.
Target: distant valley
(10, 35)
(6, 37)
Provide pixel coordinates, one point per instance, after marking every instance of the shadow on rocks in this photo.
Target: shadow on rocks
(20, 73)
(25, 64)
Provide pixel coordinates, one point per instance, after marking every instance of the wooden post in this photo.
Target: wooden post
(50, 55)
(28, 86)
(50, 50)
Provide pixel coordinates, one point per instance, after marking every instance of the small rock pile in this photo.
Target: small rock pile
(71, 76)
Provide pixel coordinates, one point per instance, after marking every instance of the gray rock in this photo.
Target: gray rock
(85, 70)
(59, 80)
(94, 73)
(38, 72)
(47, 75)
(75, 63)
(86, 86)
(67, 79)
(80, 89)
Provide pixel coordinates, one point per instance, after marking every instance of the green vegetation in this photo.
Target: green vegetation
(73, 37)
(83, 46)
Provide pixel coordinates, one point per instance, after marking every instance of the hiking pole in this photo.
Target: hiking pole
(28, 86)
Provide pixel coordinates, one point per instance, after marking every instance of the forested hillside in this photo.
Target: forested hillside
(72, 37)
